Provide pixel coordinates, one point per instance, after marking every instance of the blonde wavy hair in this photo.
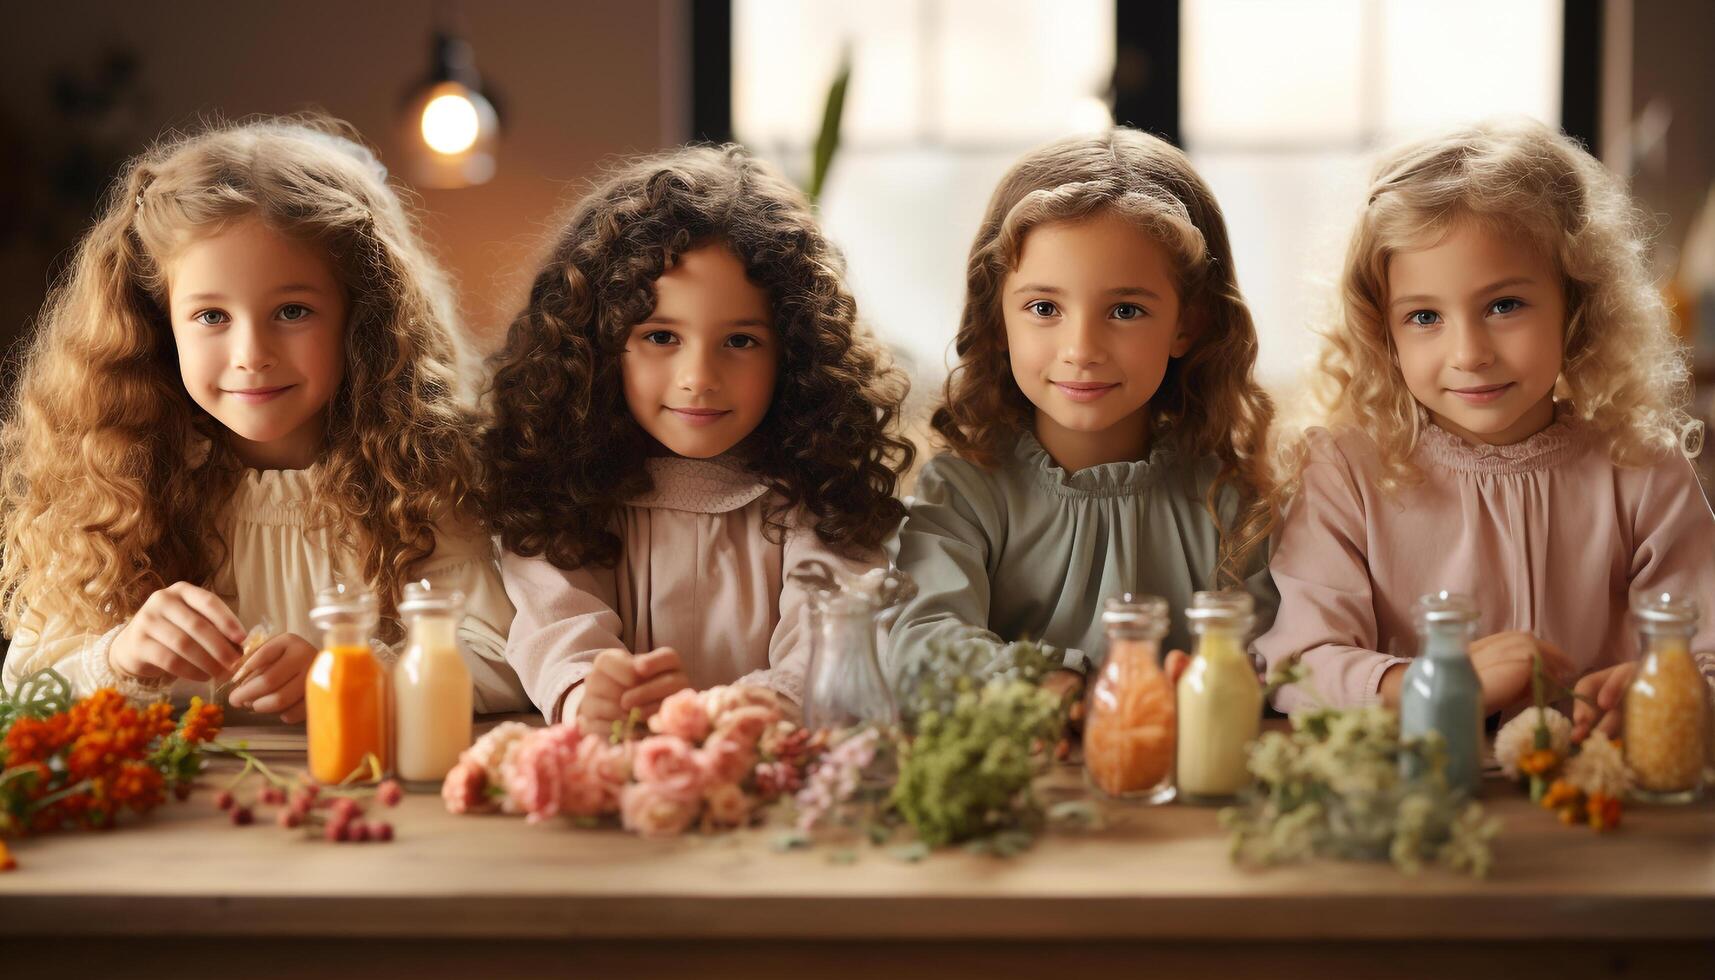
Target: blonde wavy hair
(1623, 371)
(113, 482)
(1209, 403)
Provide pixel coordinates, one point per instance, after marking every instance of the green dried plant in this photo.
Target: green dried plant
(1333, 787)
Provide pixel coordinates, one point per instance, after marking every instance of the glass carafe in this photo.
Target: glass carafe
(848, 617)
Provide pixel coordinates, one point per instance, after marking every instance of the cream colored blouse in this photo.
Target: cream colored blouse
(698, 571)
(277, 564)
(1547, 536)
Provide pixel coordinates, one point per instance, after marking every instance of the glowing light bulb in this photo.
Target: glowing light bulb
(450, 124)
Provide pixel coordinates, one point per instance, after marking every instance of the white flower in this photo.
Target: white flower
(1599, 767)
(1518, 737)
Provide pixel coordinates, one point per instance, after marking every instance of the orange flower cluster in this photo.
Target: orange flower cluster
(1600, 810)
(82, 766)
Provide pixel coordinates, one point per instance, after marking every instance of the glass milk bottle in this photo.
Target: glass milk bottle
(345, 695)
(1220, 700)
(1441, 692)
(1666, 709)
(1129, 718)
(431, 686)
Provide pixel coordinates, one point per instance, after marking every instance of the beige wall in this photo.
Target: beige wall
(580, 82)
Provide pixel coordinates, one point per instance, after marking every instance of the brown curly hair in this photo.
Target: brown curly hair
(563, 451)
(1623, 370)
(1209, 404)
(113, 482)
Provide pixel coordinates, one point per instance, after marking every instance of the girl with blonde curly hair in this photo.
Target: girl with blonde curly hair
(1504, 410)
(1106, 433)
(245, 387)
(686, 409)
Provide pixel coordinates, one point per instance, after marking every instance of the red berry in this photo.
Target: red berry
(358, 832)
(381, 830)
(345, 808)
(389, 793)
(289, 818)
(335, 831)
(273, 795)
(223, 799)
(242, 816)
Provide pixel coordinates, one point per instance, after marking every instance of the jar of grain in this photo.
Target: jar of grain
(1667, 707)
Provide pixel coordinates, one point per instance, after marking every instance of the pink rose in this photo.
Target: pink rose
(667, 763)
(728, 806)
(747, 724)
(533, 771)
(465, 790)
(649, 810)
(596, 778)
(725, 759)
(682, 714)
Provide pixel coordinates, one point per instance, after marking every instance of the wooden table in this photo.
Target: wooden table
(1152, 892)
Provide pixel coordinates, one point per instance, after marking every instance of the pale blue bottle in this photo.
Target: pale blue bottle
(1441, 692)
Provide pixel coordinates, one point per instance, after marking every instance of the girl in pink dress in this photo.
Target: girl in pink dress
(1505, 417)
(685, 410)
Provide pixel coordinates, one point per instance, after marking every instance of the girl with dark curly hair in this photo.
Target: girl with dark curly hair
(1106, 432)
(248, 385)
(686, 409)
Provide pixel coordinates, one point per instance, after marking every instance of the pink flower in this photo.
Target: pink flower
(728, 806)
(725, 759)
(534, 771)
(668, 764)
(596, 777)
(682, 714)
(650, 810)
(465, 790)
(747, 724)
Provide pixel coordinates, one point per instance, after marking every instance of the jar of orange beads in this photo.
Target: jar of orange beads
(345, 696)
(1667, 711)
(1129, 720)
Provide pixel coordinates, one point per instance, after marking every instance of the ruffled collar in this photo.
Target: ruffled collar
(1106, 480)
(274, 496)
(700, 486)
(1564, 439)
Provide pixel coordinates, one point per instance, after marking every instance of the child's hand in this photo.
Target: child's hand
(1606, 687)
(274, 681)
(180, 631)
(613, 673)
(1503, 663)
(659, 673)
(1067, 685)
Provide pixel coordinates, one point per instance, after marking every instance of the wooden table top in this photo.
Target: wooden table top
(1150, 873)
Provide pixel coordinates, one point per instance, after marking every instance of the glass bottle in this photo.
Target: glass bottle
(345, 695)
(432, 699)
(1441, 692)
(1220, 700)
(1129, 725)
(848, 619)
(1666, 710)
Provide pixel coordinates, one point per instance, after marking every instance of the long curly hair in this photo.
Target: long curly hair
(1209, 404)
(564, 453)
(114, 482)
(1622, 369)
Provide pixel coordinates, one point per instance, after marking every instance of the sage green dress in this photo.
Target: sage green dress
(1028, 551)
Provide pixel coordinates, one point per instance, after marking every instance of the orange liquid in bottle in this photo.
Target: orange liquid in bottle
(345, 701)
